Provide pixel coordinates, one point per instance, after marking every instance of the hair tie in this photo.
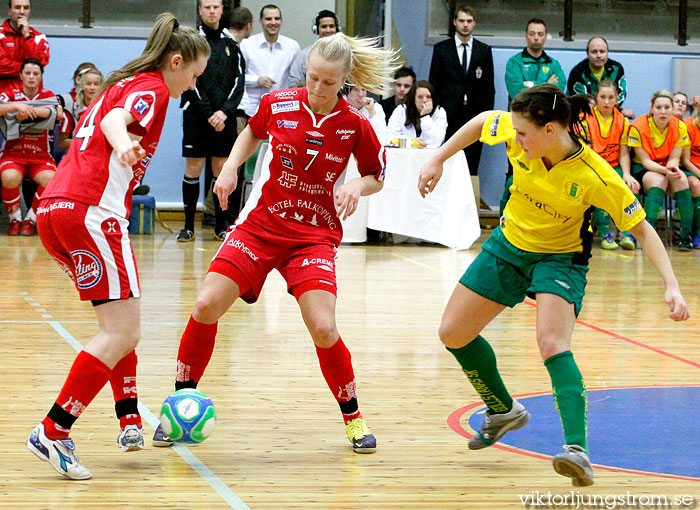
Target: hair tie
(554, 104)
(176, 25)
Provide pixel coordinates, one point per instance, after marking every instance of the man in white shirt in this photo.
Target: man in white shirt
(325, 24)
(269, 56)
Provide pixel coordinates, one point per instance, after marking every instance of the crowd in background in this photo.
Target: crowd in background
(665, 148)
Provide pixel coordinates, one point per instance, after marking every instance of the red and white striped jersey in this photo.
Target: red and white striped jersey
(295, 194)
(90, 172)
(28, 144)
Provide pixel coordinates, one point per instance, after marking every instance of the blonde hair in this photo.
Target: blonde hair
(166, 37)
(661, 94)
(364, 62)
(80, 69)
(80, 95)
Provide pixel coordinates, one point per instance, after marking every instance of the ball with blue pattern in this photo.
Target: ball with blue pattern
(188, 416)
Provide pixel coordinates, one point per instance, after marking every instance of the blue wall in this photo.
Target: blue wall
(645, 72)
(165, 171)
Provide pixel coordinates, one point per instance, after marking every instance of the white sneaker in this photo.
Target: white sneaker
(575, 464)
(60, 454)
(496, 425)
(130, 438)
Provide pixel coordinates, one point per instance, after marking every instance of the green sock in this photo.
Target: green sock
(696, 215)
(602, 221)
(653, 203)
(479, 365)
(569, 397)
(684, 203)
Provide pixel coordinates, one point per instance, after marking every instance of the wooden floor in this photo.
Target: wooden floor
(279, 441)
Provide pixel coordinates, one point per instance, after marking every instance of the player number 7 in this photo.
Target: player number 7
(313, 153)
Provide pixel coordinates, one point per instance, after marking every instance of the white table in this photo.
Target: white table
(447, 216)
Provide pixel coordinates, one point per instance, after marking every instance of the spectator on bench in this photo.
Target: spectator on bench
(404, 79)
(420, 117)
(26, 150)
(87, 86)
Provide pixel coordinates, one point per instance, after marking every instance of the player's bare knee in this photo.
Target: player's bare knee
(550, 344)
(130, 341)
(323, 331)
(694, 185)
(445, 333)
(11, 179)
(207, 310)
(452, 337)
(124, 340)
(43, 178)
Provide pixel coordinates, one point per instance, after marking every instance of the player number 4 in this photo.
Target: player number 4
(87, 128)
(313, 153)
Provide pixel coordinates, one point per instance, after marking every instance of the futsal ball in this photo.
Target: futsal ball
(188, 416)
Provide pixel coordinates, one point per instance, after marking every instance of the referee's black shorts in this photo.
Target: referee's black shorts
(200, 139)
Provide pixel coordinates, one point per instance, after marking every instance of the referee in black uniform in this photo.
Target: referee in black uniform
(209, 114)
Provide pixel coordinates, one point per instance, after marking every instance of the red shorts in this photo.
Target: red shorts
(92, 246)
(27, 166)
(248, 254)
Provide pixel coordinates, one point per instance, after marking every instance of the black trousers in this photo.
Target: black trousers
(472, 152)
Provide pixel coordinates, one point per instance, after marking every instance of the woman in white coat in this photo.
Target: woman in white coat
(419, 118)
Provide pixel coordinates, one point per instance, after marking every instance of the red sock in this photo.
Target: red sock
(196, 347)
(37, 197)
(123, 382)
(10, 197)
(336, 366)
(86, 378)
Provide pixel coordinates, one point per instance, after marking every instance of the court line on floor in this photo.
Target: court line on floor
(183, 451)
(454, 422)
(629, 340)
(582, 323)
(401, 325)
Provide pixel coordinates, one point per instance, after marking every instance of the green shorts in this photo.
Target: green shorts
(638, 171)
(506, 274)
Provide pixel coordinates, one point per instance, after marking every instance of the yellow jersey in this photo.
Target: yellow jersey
(549, 211)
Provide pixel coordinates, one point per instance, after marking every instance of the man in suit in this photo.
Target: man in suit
(462, 73)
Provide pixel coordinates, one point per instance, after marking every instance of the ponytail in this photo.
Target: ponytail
(365, 63)
(547, 103)
(166, 37)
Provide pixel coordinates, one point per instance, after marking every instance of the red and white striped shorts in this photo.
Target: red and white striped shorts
(91, 244)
